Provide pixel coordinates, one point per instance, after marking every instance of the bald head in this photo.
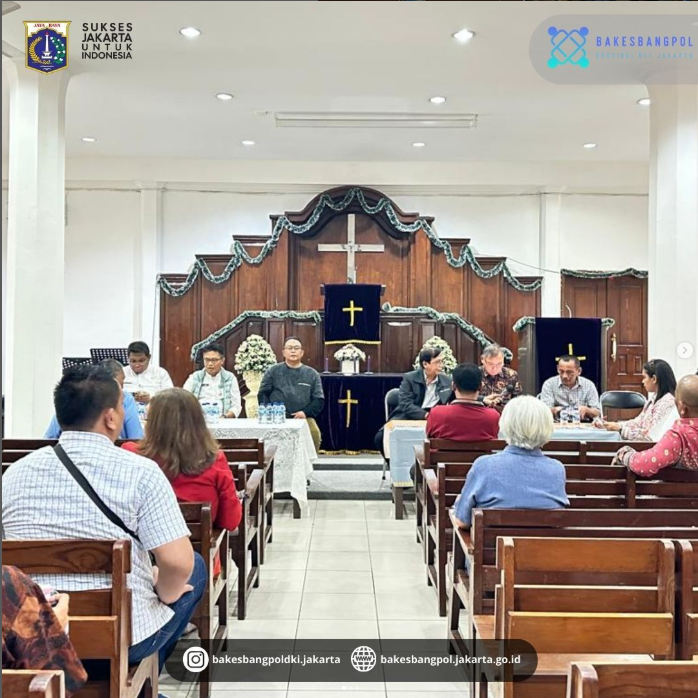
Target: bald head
(687, 396)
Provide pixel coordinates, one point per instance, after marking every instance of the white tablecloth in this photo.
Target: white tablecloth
(402, 439)
(295, 451)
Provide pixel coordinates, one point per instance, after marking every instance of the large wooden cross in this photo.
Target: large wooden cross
(351, 248)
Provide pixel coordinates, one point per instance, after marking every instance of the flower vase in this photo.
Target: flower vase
(253, 380)
(349, 368)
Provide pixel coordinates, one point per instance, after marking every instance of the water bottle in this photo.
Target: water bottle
(142, 411)
(282, 413)
(206, 409)
(278, 414)
(263, 410)
(215, 411)
(574, 413)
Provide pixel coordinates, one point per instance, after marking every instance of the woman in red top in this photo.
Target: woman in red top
(178, 440)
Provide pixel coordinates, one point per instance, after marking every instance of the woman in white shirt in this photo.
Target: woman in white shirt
(659, 413)
(142, 378)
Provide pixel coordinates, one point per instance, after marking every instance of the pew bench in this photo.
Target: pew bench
(30, 683)
(644, 679)
(100, 619)
(211, 615)
(687, 598)
(572, 599)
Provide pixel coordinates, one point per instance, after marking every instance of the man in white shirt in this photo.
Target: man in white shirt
(214, 384)
(142, 378)
(42, 500)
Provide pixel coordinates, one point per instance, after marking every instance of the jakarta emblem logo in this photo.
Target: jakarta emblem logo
(47, 46)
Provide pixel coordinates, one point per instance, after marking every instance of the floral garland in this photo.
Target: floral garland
(239, 254)
(529, 320)
(262, 314)
(581, 274)
(475, 332)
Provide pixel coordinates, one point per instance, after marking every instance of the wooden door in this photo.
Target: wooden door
(625, 300)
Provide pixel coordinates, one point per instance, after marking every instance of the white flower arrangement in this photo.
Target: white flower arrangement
(449, 360)
(254, 355)
(349, 353)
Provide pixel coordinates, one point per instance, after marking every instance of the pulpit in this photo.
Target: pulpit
(542, 340)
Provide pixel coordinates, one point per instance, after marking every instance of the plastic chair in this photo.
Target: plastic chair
(101, 354)
(622, 400)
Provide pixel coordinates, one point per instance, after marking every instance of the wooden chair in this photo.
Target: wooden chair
(100, 619)
(247, 537)
(581, 600)
(639, 679)
(254, 451)
(474, 591)
(211, 615)
(687, 598)
(30, 683)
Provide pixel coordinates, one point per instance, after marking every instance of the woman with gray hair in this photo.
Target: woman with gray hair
(520, 476)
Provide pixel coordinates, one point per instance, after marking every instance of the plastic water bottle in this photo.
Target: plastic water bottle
(215, 408)
(282, 413)
(574, 413)
(263, 410)
(142, 411)
(277, 413)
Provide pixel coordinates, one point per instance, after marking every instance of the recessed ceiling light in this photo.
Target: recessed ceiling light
(437, 100)
(88, 139)
(418, 144)
(463, 35)
(189, 32)
(589, 146)
(644, 102)
(248, 142)
(224, 96)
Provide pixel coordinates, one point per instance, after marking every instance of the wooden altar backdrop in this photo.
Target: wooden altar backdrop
(414, 271)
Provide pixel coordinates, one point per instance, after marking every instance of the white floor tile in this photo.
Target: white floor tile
(264, 629)
(337, 690)
(331, 527)
(258, 690)
(394, 544)
(274, 606)
(284, 560)
(397, 563)
(346, 543)
(277, 580)
(432, 692)
(321, 581)
(413, 629)
(341, 511)
(339, 561)
(393, 583)
(410, 604)
(337, 630)
(338, 607)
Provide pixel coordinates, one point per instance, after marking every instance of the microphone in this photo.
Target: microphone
(508, 390)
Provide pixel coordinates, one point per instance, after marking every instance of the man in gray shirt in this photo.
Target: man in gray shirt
(297, 386)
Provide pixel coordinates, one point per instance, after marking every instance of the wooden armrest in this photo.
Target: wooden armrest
(253, 482)
(432, 482)
(269, 455)
(217, 538)
(419, 454)
(463, 537)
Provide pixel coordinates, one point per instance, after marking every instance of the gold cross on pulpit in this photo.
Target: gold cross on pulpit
(570, 351)
(348, 402)
(352, 309)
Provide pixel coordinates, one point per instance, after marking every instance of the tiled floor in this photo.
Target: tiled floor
(333, 574)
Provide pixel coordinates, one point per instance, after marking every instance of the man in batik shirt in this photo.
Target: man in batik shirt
(33, 636)
(499, 382)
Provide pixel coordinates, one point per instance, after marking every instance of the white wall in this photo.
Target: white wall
(104, 218)
(99, 281)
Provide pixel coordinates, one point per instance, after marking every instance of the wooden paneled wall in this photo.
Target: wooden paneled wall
(414, 272)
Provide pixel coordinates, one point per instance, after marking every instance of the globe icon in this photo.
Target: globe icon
(363, 658)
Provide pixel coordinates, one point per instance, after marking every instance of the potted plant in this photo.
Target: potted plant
(252, 359)
(449, 360)
(349, 357)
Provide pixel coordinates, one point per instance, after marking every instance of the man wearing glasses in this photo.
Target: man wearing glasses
(214, 384)
(298, 386)
(499, 382)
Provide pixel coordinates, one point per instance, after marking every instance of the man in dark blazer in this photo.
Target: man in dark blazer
(421, 390)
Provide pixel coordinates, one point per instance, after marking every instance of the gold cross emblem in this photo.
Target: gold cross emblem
(348, 402)
(570, 351)
(352, 309)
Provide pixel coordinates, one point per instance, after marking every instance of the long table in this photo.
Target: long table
(295, 451)
(403, 436)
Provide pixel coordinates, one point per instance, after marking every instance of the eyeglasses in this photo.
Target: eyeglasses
(293, 348)
(212, 361)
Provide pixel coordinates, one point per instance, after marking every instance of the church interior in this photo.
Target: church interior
(427, 271)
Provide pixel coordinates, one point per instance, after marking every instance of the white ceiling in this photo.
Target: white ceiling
(338, 56)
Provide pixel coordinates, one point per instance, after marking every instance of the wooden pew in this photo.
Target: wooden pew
(474, 591)
(585, 599)
(687, 598)
(247, 537)
(255, 451)
(211, 615)
(29, 683)
(639, 679)
(100, 619)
